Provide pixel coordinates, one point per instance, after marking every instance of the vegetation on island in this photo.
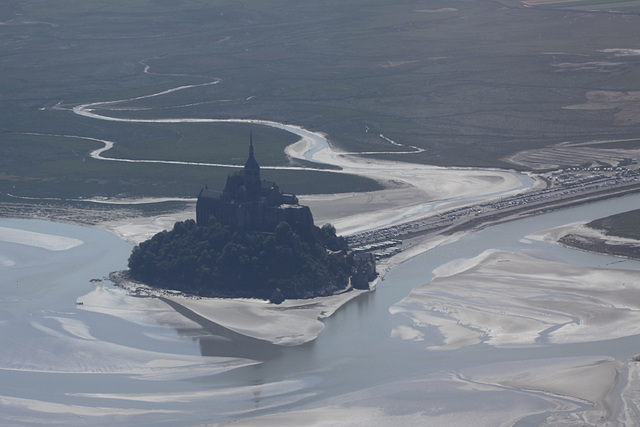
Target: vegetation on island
(212, 260)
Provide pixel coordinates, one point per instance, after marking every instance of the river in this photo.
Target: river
(134, 361)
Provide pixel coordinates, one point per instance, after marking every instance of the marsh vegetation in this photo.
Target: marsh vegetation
(468, 92)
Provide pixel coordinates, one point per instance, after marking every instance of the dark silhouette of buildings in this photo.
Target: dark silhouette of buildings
(364, 270)
(249, 203)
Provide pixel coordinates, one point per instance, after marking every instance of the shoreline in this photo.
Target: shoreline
(293, 322)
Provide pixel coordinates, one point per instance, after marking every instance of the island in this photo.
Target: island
(251, 241)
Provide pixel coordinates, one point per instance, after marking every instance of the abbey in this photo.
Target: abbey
(251, 241)
(249, 203)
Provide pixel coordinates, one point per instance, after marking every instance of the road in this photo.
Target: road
(564, 188)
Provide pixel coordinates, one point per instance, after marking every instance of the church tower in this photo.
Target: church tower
(252, 168)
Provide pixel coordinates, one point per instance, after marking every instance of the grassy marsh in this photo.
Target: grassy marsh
(470, 82)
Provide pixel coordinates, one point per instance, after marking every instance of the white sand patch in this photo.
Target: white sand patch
(322, 417)
(47, 349)
(6, 262)
(135, 201)
(137, 230)
(580, 229)
(425, 190)
(622, 52)
(628, 411)
(66, 343)
(74, 327)
(228, 402)
(437, 400)
(418, 189)
(39, 406)
(441, 10)
(38, 240)
(293, 322)
(554, 234)
(140, 311)
(407, 333)
(509, 299)
(230, 393)
(587, 378)
(460, 265)
(455, 334)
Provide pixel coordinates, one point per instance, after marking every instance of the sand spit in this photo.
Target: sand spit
(38, 240)
(137, 230)
(293, 322)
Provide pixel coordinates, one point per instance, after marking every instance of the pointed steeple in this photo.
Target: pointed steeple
(251, 168)
(250, 143)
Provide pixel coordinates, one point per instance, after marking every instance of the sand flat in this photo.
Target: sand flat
(591, 379)
(39, 240)
(507, 299)
(293, 322)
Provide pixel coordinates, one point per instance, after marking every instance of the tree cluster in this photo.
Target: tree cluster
(212, 260)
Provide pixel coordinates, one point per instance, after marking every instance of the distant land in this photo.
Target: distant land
(515, 87)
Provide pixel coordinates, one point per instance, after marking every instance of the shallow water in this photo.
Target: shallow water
(97, 355)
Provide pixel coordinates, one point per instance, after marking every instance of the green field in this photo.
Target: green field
(470, 82)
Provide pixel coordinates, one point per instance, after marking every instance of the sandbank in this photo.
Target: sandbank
(515, 299)
(476, 397)
(591, 379)
(293, 322)
(39, 240)
(592, 237)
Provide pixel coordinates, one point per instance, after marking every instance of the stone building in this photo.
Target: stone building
(249, 203)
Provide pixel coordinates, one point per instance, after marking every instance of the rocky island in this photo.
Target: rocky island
(251, 241)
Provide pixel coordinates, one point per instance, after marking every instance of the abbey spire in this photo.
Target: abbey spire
(249, 202)
(251, 167)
